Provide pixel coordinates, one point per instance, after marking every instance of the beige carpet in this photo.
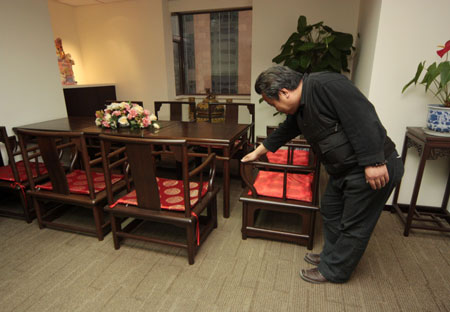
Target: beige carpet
(49, 270)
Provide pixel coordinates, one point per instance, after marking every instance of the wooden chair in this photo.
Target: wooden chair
(68, 187)
(177, 202)
(280, 189)
(231, 115)
(295, 152)
(13, 177)
(176, 109)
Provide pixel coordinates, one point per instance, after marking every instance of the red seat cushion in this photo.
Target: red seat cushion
(78, 184)
(269, 183)
(301, 157)
(171, 194)
(6, 172)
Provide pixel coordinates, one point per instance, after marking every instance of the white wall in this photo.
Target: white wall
(123, 43)
(30, 86)
(405, 38)
(369, 16)
(64, 27)
(275, 21)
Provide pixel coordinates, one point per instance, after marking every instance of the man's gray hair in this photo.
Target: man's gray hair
(275, 78)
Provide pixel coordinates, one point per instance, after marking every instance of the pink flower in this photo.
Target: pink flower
(117, 113)
(133, 113)
(105, 124)
(445, 49)
(127, 106)
(146, 112)
(146, 122)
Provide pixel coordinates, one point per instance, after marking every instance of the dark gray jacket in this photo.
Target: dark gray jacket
(338, 121)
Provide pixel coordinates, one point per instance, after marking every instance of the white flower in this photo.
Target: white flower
(113, 106)
(155, 125)
(98, 122)
(107, 117)
(153, 117)
(138, 109)
(123, 121)
(122, 105)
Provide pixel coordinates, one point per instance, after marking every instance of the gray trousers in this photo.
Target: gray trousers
(350, 209)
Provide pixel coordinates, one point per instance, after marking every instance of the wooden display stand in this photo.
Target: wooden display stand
(424, 217)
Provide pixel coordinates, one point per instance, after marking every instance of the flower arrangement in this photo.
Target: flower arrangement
(125, 115)
(437, 77)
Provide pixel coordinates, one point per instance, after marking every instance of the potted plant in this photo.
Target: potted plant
(436, 80)
(315, 48)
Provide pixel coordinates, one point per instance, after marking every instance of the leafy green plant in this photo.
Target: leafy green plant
(315, 48)
(436, 78)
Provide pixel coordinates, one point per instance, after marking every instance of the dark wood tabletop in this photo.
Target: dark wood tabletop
(220, 135)
(201, 132)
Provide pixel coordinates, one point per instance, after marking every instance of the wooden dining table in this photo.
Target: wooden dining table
(219, 135)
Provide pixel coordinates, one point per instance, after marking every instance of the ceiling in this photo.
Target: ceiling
(87, 2)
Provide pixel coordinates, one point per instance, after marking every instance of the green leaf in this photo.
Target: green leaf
(305, 46)
(420, 68)
(444, 69)
(329, 39)
(335, 52)
(327, 28)
(301, 24)
(293, 63)
(335, 63)
(305, 61)
(430, 76)
(261, 100)
(343, 41)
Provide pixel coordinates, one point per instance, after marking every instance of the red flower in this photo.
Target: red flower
(444, 50)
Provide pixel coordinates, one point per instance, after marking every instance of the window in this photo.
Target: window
(212, 50)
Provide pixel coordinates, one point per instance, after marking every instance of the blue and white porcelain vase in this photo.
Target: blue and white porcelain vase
(438, 119)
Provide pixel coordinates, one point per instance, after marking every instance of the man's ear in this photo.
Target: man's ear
(285, 92)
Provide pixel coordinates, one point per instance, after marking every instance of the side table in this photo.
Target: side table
(424, 217)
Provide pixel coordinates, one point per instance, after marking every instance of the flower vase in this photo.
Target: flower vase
(438, 120)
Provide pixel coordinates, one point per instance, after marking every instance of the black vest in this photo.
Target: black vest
(328, 140)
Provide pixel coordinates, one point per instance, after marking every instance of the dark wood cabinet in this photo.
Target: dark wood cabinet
(85, 100)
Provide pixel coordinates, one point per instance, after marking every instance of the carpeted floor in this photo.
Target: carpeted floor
(49, 270)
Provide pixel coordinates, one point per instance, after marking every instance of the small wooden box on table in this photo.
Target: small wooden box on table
(419, 216)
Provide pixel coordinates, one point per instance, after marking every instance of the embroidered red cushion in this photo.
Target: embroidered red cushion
(78, 184)
(6, 172)
(171, 194)
(301, 157)
(269, 183)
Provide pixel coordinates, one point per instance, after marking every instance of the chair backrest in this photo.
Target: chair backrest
(176, 109)
(52, 146)
(140, 103)
(13, 150)
(249, 172)
(140, 154)
(11, 145)
(232, 114)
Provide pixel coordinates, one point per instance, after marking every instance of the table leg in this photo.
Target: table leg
(226, 188)
(397, 188)
(415, 194)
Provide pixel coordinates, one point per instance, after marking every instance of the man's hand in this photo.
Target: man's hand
(377, 176)
(260, 150)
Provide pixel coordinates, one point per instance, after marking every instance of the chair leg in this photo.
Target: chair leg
(38, 210)
(190, 233)
(311, 232)
(99, 220)
(24, 200)
(244, 220)
(116, 227)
